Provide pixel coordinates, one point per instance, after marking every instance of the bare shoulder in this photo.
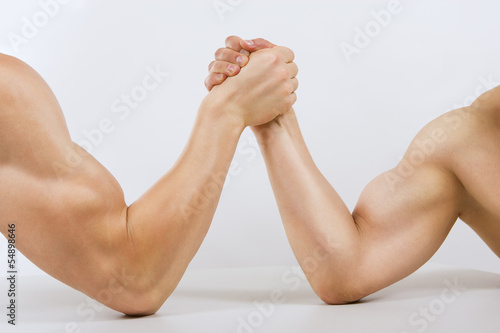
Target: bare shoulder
(39, 164)
(453, 138)
(28, 112)
(426, 176)
(471, 151)
(20, 83)
(13, 71)
(490, 100)
(471, 134)
(7, 61)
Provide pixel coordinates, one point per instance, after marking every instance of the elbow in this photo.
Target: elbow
(146, 308)
(336, 282)
(338, 292)
(138, 304)
(336, 297)
(132, 294)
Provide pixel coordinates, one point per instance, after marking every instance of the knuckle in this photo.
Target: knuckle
(282, 73)
(219, 53)
(288, 51)
(271, 58)
(210, 66)
(275, 58)
(216, 65)
(285, 50)
(285, 90)
(207, 82)
(219, 78)
(230, 40)
(233, 43)
(225, 54)
(211, 80)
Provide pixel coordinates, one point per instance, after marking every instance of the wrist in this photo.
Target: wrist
(283, 126)
(218, 111)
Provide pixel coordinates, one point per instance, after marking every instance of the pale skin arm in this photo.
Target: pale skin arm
(70, 214)
(397, 225)
(390, 233)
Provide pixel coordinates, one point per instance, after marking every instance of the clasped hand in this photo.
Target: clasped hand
(254, 81)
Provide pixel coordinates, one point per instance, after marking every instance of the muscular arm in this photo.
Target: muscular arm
(70, 215)
(401, 218)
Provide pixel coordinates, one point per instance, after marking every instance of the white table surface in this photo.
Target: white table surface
(223, 301)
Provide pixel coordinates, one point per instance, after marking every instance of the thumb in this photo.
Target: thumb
(253, 45)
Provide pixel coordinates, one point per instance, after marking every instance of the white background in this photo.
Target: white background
(358, 115)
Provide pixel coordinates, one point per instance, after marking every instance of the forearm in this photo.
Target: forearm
(169, 222)
(320, 228)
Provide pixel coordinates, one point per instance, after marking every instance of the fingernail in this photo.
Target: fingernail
(240, 60)
(249, 42)
(231, 68)
(245, 52)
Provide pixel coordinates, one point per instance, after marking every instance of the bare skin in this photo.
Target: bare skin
(70, 215)
(449, 171)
